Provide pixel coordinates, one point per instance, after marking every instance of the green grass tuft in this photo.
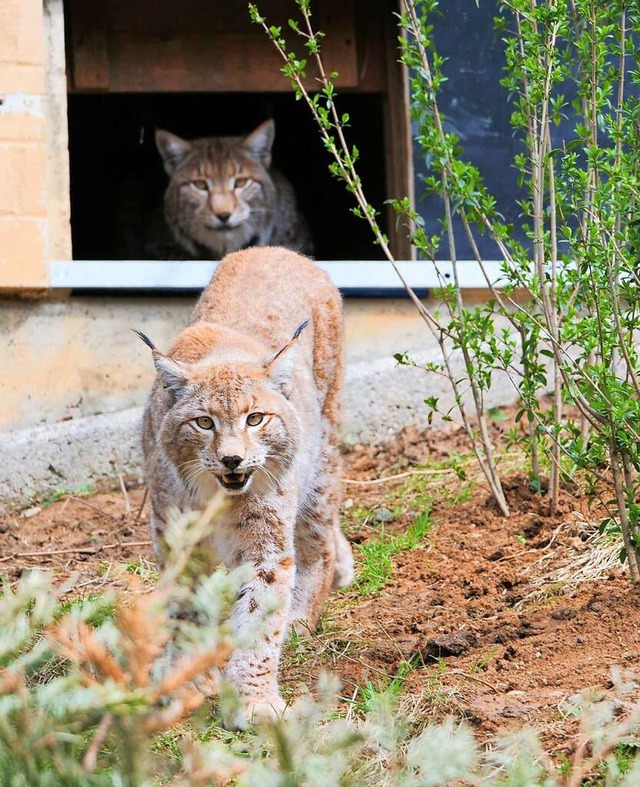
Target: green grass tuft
(376, 567)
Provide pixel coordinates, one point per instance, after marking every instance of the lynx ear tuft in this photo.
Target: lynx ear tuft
(280, 366)
(260, 141)
(299, 329)
(145, 339)
(173, 150)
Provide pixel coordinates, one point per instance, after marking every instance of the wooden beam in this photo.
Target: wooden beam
(397, 135)
(88, 54)
(146, 46)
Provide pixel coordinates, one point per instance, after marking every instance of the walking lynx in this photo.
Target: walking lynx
(247, 400)
(223, 195)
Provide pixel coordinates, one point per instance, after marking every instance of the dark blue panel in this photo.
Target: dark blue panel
(476, 109)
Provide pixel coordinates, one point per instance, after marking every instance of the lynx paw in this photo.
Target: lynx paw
(343, 571)
(208, 684)
(267, 709)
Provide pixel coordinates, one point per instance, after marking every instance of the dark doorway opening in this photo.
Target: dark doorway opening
(117, 178)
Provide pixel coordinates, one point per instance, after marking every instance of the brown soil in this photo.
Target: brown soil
(463, 617)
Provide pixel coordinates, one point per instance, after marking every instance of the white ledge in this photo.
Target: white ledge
(349, 276)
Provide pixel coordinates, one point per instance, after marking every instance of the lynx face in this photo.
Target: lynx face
(221, 196)
(231, 426)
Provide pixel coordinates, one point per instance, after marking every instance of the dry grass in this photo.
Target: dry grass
(587, 556)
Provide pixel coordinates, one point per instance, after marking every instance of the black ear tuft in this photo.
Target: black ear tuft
(300, 328)
(280, 366)
(145, 339)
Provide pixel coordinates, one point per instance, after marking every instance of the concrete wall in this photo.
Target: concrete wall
(78, 356)
(74, 380)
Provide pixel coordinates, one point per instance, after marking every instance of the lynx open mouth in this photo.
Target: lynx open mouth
(234, 480)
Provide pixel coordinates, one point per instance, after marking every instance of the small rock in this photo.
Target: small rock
(504, 635)
(450, 644)
(383, 515)
(533, 529)
(514, 710)
(31, 512)
(348, 503)
(564, 613)
(497, 555)
(580, 640)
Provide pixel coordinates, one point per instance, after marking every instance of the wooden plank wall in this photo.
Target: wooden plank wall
(195, 46)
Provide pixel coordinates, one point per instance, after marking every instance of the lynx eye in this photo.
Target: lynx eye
(204, 422)
(253, 419)
(201, 185)
(240, 183)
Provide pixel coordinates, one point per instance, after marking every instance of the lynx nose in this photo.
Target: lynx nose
(231, 461)
(224, 217)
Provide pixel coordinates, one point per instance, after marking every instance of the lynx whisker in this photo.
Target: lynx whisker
(193, 477)
(191, 471)
(270, 476)
(190, 464)
(286, 457)
(262, 212)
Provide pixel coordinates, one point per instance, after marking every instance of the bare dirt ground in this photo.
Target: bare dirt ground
(481, 617)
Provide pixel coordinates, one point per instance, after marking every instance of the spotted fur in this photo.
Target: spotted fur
(247, 399)
(223, 195)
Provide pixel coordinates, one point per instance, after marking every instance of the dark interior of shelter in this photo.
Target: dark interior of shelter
(117, 177)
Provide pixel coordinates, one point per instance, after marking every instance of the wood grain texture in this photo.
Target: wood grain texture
(197, 46)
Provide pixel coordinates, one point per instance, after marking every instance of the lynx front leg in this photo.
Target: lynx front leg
(323, 555)
(254, 669)
(324, 562)
(315, 557)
